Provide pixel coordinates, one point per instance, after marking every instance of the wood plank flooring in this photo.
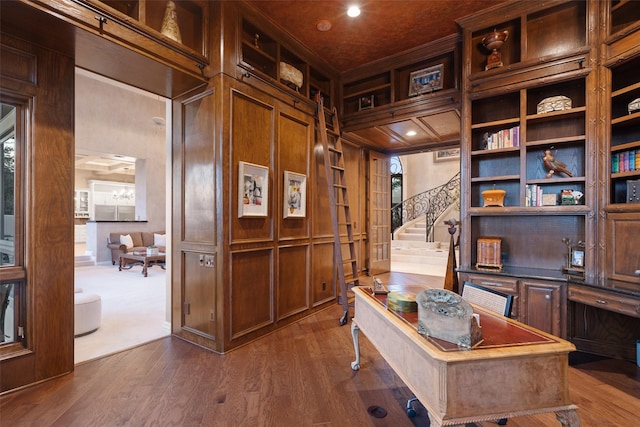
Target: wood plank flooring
(298, 376)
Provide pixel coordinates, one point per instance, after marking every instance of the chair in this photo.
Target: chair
(487, 298)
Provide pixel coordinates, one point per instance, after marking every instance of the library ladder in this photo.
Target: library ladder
(339, 202)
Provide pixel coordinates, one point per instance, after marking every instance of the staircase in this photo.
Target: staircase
(411, 253)
(83, 260)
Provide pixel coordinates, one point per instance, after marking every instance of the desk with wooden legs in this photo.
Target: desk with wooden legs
(516, 370)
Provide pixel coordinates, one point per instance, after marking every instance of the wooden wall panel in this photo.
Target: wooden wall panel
(294, 142)
(199, 211)
(251, 296)
(293, 281)
(323, 285)
(49, 214)
(252, 134)
(320, 203)
(199, 315)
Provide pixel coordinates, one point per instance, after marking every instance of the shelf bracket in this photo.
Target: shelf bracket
(102, 20)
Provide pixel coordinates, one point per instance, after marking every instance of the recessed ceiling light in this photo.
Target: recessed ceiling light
(353, 11)
(412, 133)
(323, 25)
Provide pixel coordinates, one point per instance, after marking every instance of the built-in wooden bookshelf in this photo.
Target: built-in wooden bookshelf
(192, 16)
(263, 54)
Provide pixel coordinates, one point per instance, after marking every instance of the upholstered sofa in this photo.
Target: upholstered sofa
(140, 241)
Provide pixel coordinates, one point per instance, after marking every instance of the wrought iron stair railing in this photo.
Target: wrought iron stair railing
(431, 203)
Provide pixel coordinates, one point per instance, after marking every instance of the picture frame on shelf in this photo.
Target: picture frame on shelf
(426, 80)
(577, 258)
(365, 102)
(253, 190)
(294, 195)
(446, 155)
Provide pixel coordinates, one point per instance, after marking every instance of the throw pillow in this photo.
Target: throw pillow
(159, 239)
(126, 240)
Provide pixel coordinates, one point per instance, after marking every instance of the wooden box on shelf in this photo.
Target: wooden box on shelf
(489, 254)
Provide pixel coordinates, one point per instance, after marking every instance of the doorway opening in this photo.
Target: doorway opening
(122, 180)
(416, 247)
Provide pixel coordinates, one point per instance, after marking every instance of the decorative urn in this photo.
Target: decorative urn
(493, 42)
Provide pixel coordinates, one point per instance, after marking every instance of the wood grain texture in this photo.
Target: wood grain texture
(297, 376)
(47, 189)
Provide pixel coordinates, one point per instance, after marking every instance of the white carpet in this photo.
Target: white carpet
(133, 309)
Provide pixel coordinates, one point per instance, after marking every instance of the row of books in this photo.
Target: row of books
(625, 161)
(535, 196)
(504, 138)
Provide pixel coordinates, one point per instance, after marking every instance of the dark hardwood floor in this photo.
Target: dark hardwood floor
(298, 376)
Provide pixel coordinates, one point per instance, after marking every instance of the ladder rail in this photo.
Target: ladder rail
(338, 198)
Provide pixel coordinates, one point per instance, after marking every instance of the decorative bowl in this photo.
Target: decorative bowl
(495, 40)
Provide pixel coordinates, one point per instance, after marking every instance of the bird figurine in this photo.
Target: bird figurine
(554, 165)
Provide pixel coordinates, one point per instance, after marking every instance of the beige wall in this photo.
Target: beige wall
(113, 118)
(421, 173)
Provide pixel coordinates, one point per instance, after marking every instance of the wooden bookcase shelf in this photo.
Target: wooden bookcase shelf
(192, 18)
(624, 14)
(543, 58)
(561, 131)
(264, 54)
(386, 84)
(624, 145)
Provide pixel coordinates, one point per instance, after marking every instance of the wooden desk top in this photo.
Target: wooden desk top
(500, 334)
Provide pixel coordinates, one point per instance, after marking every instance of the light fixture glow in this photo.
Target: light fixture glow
(412, 133)
(353, 11)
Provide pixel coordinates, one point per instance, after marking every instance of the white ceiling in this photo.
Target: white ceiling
(105, 164)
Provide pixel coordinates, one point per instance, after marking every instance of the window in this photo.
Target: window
(13, 277)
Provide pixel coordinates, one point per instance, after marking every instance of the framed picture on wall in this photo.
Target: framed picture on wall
(253, 190)
(426, 80)
(445, 155)
(294, 195)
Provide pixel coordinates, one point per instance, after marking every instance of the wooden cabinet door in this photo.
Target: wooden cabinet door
(196, 254)
(543, 306)
(623, 256)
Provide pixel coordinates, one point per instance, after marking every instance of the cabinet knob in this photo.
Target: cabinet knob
(637, 272)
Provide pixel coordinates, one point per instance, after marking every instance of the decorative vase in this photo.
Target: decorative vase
(170, 26)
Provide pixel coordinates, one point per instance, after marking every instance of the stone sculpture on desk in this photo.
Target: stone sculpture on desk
(170, 23)
(445, 315)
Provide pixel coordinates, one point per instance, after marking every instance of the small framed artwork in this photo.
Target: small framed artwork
(426, 80)
(577, 258)
(294, 195)
(365, 102)
(445, 155)
(253, 190)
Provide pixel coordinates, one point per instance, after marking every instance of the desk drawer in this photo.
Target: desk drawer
(626, 305)
(501, 284)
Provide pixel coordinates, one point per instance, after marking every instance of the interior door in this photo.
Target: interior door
(379, 213)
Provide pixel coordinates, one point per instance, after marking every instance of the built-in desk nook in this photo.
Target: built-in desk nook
(515, 370)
